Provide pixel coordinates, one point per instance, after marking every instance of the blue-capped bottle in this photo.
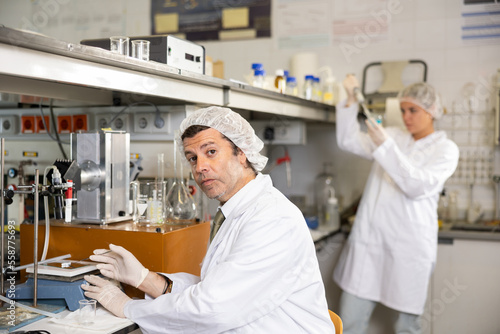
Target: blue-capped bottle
(291, 86)
(307, 91)
(258, 78)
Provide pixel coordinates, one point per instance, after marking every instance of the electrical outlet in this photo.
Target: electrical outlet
(102, 121)
(27, 124)
(119, 123)
(286, 132)
(143, 122)
(64, 124)
(162, 124)
(9, 125)
(40, 126)
(80, 122)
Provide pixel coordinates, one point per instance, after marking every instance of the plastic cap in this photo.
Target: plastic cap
(332, 200)
(309, 77)
(259, 72)
(291, 79)
(286, 73)
(257, 66)
(316, 79)
(280, 73)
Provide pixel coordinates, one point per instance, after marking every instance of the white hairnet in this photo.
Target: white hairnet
(424, 96)
(231, 125)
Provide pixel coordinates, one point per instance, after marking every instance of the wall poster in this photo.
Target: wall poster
(204, 20)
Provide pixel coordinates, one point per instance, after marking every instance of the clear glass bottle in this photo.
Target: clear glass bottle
(291, 86)
(280, 81)
(442, 210)
(307, 91)
(258, 78)
(329, 93)
(317, 91)
(453, 207)
(326, 202)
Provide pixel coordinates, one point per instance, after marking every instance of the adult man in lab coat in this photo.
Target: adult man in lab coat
(260, 273)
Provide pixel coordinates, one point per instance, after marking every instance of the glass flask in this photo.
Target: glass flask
(181, 207)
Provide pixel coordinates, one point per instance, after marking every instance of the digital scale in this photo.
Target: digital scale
(58, 280)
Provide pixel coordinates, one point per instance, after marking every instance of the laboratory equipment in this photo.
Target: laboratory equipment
(326, 202)
(180, 205)
(140, 49)
(258, 78)
(453, 207)
(291, 86)
(119, 44)
(280, 81)
(100, 170)
(166, 49)
(307, 91)
(87, 311)
(302, 64)
(317, 91)
(330, 91)
(149, 205)
(497, 110)
(442, 210)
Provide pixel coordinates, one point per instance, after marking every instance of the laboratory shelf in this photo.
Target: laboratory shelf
(38, 65)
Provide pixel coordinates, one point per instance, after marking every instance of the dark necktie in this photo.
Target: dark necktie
(218, 220)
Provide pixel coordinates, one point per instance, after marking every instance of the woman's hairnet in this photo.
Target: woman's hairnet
(424, 96)
(231, 125)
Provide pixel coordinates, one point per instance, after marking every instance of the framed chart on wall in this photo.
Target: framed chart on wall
(204, 20)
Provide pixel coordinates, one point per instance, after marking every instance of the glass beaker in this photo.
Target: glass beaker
(140, 49)
(119, 44)
(149, 206)
(87, 311)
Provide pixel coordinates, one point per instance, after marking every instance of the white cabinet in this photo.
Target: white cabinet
(465, 289)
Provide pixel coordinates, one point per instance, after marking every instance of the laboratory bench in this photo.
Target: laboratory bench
(167, 249)
(468, 231)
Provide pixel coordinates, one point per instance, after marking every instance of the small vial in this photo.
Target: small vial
(291, 86)
(258, 78)
(280, 82)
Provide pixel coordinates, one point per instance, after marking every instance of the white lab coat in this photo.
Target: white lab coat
(260, 275)
(391, 251)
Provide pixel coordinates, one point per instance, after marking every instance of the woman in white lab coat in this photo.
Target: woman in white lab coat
(391, 251)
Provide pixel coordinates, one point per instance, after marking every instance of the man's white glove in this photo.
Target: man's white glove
(120, 264)
(106, 293)
(376, 132)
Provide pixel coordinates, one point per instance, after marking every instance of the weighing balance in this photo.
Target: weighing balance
(57, 280)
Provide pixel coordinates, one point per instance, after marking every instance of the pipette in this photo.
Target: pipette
(361, 100)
